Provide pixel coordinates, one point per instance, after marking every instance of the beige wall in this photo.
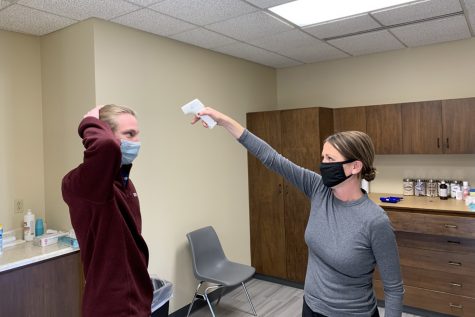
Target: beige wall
(68, 92)
(21, 124)
(186, 176)
(426, 73)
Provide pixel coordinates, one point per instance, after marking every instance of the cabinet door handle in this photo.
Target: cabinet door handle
(286, 189)
(455, 263)
(280, 188)
(453, 242)
(456, 306)
(450, 226)
(438, 143)
(455, 284)
(447, 142)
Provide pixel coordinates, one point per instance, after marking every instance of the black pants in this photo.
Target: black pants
(307, 312)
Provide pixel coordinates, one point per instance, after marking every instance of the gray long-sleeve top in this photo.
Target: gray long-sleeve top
(345, 240)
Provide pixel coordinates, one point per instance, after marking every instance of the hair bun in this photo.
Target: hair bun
(370, 175)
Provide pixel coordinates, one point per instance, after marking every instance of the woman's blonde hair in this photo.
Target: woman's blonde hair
(356, 145)
(109, 113)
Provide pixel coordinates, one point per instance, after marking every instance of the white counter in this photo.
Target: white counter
(27, 253)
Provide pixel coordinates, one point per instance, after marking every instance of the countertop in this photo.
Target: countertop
(424, 203)
(27, 253)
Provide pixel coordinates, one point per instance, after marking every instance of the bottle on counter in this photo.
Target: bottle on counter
(454, 186)
(431, 188)
(465, 190)
(443, 193)
(408, 187)
(29, 226)
(1, 239)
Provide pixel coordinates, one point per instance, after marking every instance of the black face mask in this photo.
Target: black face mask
(333, 173)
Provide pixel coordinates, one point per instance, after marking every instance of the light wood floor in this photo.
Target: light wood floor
(269, 299)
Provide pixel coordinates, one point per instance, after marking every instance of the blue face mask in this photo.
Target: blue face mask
(129, 150)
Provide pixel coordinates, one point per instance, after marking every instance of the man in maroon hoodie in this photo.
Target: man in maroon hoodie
(105, 214)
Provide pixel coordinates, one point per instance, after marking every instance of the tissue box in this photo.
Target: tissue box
(69, 241)
(48, 238)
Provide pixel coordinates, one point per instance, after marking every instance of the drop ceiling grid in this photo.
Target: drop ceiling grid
(233, 25)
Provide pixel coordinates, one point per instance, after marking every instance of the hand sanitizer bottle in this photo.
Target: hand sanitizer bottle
(29, 226)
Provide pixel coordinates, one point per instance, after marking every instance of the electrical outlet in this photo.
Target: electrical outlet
(18, 206)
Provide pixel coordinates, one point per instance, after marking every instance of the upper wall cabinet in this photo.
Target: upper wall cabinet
(458, 117)
(349, 119)
(384, 126)
(422, 127)
(439, 126)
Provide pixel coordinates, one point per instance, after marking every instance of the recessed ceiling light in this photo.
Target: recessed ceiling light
(307, 12)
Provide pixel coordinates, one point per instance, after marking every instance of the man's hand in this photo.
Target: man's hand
(94, 112)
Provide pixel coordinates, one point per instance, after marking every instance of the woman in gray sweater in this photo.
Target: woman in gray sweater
(347, 234)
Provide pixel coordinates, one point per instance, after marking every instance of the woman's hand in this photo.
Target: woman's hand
(221, 119)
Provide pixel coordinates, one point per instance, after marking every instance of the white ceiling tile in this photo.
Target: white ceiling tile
(204, 38)
(22, 19)
(314, 53)
(268, 3)
(470, 11)
(367, 43)
(250, 26)
(435, 31)
(417, 11)
(256, 54)
(82, 9)
(154, 22)
(358, 23)
(144, 3)
(203, 12)
(4, 3)
(298, 45)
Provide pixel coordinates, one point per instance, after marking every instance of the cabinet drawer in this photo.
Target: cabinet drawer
(450, 262)
(433, 242)
(451, 226)
(447, 282)
(433, 301)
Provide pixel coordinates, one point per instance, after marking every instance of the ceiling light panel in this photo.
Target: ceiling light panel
(308, 12)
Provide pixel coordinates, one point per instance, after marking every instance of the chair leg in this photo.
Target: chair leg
(205, 294)
(220, 295)
(249, 299)
(194, 298)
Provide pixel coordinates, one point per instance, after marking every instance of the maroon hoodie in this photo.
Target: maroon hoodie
(105, 214)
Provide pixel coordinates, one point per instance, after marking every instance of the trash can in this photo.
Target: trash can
(162, 292)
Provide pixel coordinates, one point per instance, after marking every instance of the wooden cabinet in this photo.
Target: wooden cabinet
(458, 125)
(49, 288)
(422, 127)
(349, 119)
(440, 126)
(384, 126)
(437, 253)
(278, 211)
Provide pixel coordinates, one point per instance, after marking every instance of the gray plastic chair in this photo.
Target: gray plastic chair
(210, 265)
